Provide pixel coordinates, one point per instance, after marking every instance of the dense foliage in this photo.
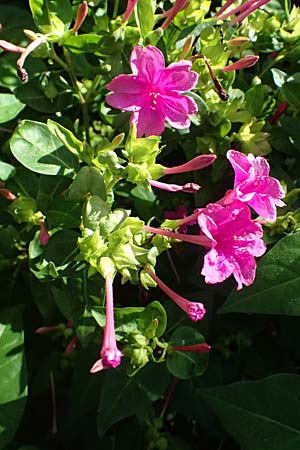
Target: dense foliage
(198, 347)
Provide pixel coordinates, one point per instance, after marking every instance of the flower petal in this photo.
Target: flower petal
(147, 63)
(245, 269)
(264, 206)
(178, 77)
(127, 84)
(240, 164)
(149, 122)
(176, 108)
(217, 266)
(133, 102)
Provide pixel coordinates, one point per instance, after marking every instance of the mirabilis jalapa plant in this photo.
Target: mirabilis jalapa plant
(112, 241)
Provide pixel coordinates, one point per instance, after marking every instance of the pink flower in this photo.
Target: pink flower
(195, 311)
(110, 354)
(44, 235)
(253, 185)
(154, 93)
(235, 240)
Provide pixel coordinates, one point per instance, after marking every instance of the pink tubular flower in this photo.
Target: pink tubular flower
(195, 348)
(110, 354)
(254, 186)
(195, 311)
(154, 93)
(243, 63)
(243, 10)
(278, 113)
(172, 12)
(44, 235)
(190, 188)
(9, 47)
(129, 10)
(235, 240)
(199, 162)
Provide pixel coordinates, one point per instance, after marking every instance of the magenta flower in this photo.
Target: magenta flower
(253, 185)
(235, 240)
(196, 311)
(110, 354)
(154, 93)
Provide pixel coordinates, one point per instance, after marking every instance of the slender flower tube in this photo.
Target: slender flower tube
(190, 188)
(172, 12)
(199, 162)
(196, 348)
(9, 47)
(278, 113)
(44, 235)
(71, 345)
(195, 311)
(239, 19)
(81, 15)
(224, 7)
(7, 194)
(23, 75)
(204, 241)
(243, 63)
(129, 10)
(49, 329)
(236, 10)
(180, 213)
(110, 354)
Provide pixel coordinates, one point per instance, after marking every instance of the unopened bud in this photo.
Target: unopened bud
(9, 47)
(7, 194)
(81, 15)
(30, 34)
(238, 41)
(117, 140)
(187, 47)
(243, 63)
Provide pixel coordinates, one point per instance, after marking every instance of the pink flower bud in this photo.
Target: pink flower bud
(196, 348)
(71, 345)
(81, 15)
(243, 63)
(199, 162)
(44, 235)
(9, 47)
(190, 188)
(172, 12)
(7, 194)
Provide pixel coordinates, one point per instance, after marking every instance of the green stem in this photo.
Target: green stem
(67, 66)
(116, 7)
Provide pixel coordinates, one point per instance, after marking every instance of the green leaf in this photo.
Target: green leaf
(291, 90)
(63, 213)
(6, 171)
(10, 107)
(276, 289)
(34, 146)
(89, 180)
(51, 16)
(120, 397)
(260, 415)
(144, 17)
(66, 136)
(12, 373)
(153, 320)
(186, 365)
(279, 77)
(83, 43)
(68, 297)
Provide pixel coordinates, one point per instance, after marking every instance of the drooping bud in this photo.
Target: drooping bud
(180, 5)
(186, 47)
(7, 194)
(196, 348)
(9, 47)
(44, 235)
(129, 10)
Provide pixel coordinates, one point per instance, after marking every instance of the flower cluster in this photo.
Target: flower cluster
(232, 239)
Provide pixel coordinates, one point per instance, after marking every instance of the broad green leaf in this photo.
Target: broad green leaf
(279, 77)
(260, 415)
(34, 146)
(66, 136)
(12, 373)
(144, 17)
(6, 171)
(89, 180)
(69, 299)
(120, 397)
(10, 107)
(63, 213)
(153, 320)
(83, 43)
(276, 289)
(49, 93)
(51, 16)
(186, 365)
(291, 90)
